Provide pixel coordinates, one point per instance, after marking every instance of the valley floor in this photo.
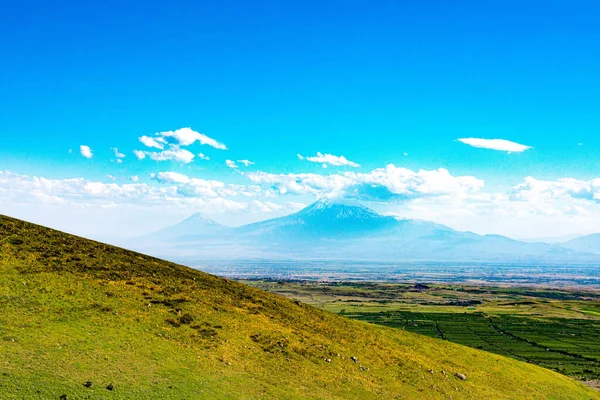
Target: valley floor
(450, 273)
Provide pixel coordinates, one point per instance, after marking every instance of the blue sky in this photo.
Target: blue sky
(380, 83)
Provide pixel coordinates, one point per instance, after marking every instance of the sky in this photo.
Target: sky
(122, 117)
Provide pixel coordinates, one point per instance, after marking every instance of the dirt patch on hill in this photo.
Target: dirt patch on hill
(594, 384)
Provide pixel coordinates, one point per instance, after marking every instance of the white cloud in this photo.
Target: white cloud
(135, 178)
(267, 206)
(231, 164)
(152, 142)
(530, 209)
(295, 206)
(495, 144)
(170, 143)
(187, 136)
(197, 187)
(533, 208)
(170, 177)
(180, 137)
(85, 151)
(246, 162)
(250, 190)
(329, 159)
(117, 153)
(302, 183)
(538, 190)
(173, 154)
(74, 189)
(177, 190)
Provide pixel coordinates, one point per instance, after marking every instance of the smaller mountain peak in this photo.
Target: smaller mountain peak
(195, 224)
(199, 217)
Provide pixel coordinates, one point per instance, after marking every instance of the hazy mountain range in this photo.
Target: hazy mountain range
(345, 229)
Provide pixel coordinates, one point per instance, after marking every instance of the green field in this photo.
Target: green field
(569, 346)
(84, 320)
(556, 329)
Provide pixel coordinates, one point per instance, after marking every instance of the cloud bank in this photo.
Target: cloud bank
(381, 184)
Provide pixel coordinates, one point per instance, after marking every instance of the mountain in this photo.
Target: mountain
(81, 319)
(588, 244)
(326, 218)
(345, 229)
(339, 220)
(197, 225)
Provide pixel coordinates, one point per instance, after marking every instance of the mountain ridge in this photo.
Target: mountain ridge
(343, 228)
(588, 243)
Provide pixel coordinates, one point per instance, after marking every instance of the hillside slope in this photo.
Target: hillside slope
(74, 310)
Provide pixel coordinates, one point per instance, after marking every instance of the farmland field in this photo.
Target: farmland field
(555, 329)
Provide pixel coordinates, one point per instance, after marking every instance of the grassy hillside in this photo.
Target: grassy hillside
(73, 311)
(558, 329)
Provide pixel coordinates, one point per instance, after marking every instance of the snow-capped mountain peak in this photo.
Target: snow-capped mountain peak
(339, 208)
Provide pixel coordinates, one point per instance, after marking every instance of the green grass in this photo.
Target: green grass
(74, 310)
(556, 329)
